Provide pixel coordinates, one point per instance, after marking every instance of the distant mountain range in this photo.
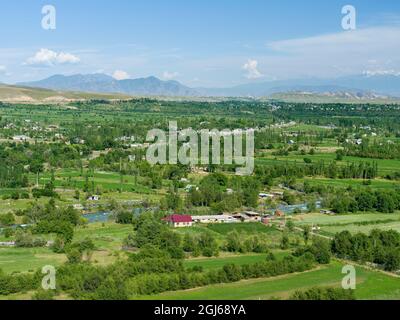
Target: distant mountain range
(355, 87)
(101, 83)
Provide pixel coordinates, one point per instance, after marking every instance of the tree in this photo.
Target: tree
(233, 243)
(289, 198)
(366, 200)
(123, 216)
(74, 255)
(7, 219)
(232, 272)
(317, 294)
(311, 206)
(339, 155)
(189, 243)
(342, 244)
(385, 202)
(172, 201)
(43, 295)
(392, 259)
(208, 244)
(321, 249)
(306, 233)
(285, 243)
(290, 225)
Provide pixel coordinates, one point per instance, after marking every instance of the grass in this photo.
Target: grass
(370, 285)
(330, 225)
(363, 229)
(344, 183)
(385, 166)
(28, 259)
(217, 263)
(107, 236)
(248, 228)
(321, 219)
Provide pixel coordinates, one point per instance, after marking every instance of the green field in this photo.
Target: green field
(248, 228)
(385, 166)
(357, 183)
(321, 219)
(27, 259)
(107, 236)
(370, 285)
(217, 263)
(363, 222)
(363, 229)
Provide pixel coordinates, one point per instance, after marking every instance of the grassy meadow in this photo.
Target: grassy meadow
(370, 285)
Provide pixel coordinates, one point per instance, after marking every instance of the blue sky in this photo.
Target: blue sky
(199, 42)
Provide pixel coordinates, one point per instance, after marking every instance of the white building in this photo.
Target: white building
(21, 138)
(214, 219)
(94, 198)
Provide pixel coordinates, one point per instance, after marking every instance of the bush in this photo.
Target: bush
(7, 219)
(43, 295)
(27, 240)
(323, 294)
(321, 250)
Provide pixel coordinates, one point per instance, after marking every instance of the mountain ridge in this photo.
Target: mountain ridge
(362, 86)
(101, 83)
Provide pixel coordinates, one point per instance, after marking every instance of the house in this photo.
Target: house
(79, 141)
(265, 195)
(267, 220)
(7, 244)
(21, 138)
(241, 217)
(190, 187)
(179, 221)
(252, 214)
(78, 206)
(214, 219)
(249, 216)
(279, 213)
(93, 198)
(328, 212)
(316, 228)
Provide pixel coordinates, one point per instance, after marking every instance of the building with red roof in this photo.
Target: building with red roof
(179, 221)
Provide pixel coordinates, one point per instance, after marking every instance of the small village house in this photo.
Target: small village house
(214, 219)
(279, 213)
(93, 198)
(179, 221)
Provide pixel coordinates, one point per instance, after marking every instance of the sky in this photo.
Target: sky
(201, 43)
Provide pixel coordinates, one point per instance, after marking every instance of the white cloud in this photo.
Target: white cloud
(251, 66)
(46, 57)
(170, 75)
(336, 54)
(3, 71)
(371, 73)
(120, 75)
